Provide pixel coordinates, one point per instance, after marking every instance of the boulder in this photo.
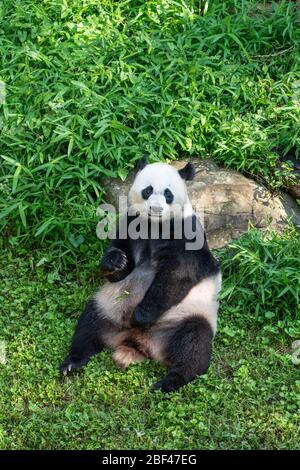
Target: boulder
(226, 201)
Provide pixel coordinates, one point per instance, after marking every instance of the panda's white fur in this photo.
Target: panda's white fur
(202, 300)
(118, 300)
(160, 176)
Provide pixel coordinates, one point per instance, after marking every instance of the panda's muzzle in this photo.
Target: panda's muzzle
(155, 210)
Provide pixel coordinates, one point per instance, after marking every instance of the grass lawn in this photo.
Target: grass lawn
(248, 400)
(86, 88)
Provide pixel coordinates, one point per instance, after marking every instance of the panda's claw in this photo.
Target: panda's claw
(69, 367)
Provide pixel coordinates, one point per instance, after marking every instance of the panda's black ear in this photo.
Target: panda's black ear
(141, 164)
(188, 172)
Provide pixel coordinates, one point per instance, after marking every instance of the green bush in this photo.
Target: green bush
(262, 281)
(90, 86)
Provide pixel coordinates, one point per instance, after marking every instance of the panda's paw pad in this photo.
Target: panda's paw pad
(115, 260)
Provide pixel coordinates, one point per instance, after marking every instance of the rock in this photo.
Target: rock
(226, 201)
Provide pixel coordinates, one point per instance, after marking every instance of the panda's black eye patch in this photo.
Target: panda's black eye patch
(169, 196)
(146, 193)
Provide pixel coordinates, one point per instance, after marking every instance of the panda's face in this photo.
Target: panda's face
(158, 191)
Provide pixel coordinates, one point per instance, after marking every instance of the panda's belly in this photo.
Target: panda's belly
(134, 345)
(117, 300)
(202, 300)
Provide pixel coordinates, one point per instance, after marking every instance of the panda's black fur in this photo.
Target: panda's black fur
(160, 299)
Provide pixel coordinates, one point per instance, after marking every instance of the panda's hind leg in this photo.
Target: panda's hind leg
(188, 353)
(87, 339)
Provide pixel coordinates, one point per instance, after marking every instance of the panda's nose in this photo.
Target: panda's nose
(156, 209)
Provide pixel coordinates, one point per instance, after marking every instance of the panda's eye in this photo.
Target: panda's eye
(169, 196)
(146, 193)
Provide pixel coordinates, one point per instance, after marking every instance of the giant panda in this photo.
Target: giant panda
(159, 300)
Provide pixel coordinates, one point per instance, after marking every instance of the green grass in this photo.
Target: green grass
(90, 86)
(249, 399)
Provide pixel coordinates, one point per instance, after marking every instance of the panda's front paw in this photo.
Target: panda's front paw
(141, 317)
(170, 383)
(69, 366)
(114, 261)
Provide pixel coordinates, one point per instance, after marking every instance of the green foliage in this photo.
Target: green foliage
(90, 86)
(249, 399)
(263, 281)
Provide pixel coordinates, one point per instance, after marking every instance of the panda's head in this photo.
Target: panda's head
(159, 190)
